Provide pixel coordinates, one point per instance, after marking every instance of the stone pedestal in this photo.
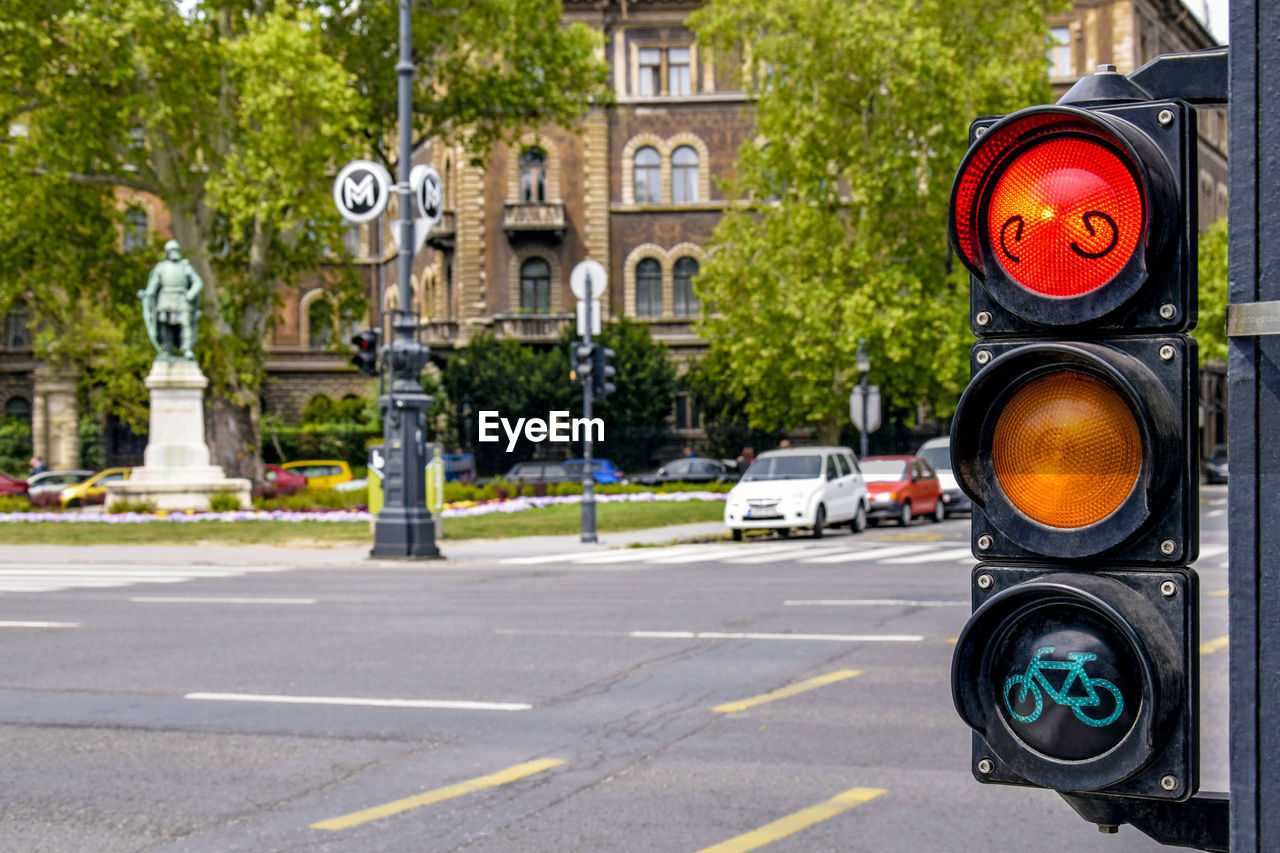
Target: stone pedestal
(176, 474)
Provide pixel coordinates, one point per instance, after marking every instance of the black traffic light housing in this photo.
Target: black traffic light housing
(602, 372)
(366, 358)
(582, 358)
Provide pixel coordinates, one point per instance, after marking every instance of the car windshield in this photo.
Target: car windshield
(576, 467)
(884, 470)
(785, 468)
(939, 456)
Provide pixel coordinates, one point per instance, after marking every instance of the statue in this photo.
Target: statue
(171, 304)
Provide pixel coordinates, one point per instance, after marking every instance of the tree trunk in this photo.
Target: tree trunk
(232, 431)
(829, 433)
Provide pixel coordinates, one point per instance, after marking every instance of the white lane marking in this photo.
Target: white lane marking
(629, 555)
(158, 599)
(445, 704)
(871, 554)
(872, 602)
(39, 624)
(788, 552)
(949, 555)
(707, 554)
(719, 635)
(542, 558)
(83, 572)
(139, 567)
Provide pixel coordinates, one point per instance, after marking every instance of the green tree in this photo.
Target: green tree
(235, 115)
(1211, 329)
(635, 416)
(839, 227)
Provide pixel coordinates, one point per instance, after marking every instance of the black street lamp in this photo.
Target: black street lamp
(862, 364)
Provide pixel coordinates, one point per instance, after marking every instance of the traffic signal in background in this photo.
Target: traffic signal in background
(366, 358)
(601, 372)
(583, 362)
(1076, 440)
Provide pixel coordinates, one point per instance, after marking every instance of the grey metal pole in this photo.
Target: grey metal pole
(588, 476)
(404, 527)
(865, 411)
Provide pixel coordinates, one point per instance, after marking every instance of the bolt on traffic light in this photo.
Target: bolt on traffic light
(366, 358)
(1075, 440)
(601, 372)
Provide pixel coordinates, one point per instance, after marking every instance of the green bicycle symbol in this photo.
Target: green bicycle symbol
(1034, 682)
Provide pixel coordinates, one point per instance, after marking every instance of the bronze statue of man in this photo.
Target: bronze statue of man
(171, 303)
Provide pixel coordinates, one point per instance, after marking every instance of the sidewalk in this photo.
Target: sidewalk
(461, 551)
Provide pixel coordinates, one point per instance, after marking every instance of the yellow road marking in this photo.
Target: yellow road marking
(1208, 647)
(793, 823)
(448, 792)
(1219, 593)
(791, 690)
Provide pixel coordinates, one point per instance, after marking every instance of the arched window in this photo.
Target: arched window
(320, 321)
(535, 286)
(17, 407)
(135, 229)
(648, 176)
(684, 175)
(686, 303)
(533, 175)
(17, 322)
(648, 288)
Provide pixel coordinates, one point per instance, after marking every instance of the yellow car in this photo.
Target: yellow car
(92, 490)
(321, 473)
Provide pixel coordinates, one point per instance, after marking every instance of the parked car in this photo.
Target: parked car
(692, 469)
(539, 472)
(43, 488)
(1215, 467)
(92, 490)
(459, 467)
(937, 452)
(321, 473)
(12, 485)
(800, 487)
(602, 470)
(903, 487)
(278, 481)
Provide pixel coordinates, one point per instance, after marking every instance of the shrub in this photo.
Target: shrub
(15, 503)
(133, 506)
(224, 502)
(313, 499)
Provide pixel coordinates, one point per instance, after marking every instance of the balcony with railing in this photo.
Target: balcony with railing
(534, 219)
(531, 328)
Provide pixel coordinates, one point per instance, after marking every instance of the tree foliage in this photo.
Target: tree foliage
(1211, 330)
(235, 115)
(840, 228)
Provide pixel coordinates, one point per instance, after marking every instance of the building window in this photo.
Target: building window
(648, 288)
(535, 286)
(684, 175)
(533, 175)
(1060, 54)
(320, 324)
(135, 229)
(17, 322)
(687, 417)
(650, 71)
(686, 303)
(679, 77)
(648, 176)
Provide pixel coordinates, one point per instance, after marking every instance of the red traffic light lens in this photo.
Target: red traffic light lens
(1065, 216)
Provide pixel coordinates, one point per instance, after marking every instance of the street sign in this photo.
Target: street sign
(435, 484)
(588, 316)
(873, 408)
(361, 191)
(588, 280)
(428, 189)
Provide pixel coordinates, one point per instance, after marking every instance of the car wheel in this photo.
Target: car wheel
(819, 518)
(75, 504)
(859, 522)
(904, 517)
(736, 535)
(784, 532)
(939, 511)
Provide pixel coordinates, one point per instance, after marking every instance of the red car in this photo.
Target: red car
(12, 486)
(280, 482)
(902, 487)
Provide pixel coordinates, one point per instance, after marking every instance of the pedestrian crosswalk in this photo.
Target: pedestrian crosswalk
(54, 577)
(844, 551)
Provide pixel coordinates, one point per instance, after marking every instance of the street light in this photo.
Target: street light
(862, 363)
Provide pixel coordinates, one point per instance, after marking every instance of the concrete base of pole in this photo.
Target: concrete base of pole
(400, 532)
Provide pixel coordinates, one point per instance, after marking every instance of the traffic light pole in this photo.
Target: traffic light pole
(404, 527)
(588, 475)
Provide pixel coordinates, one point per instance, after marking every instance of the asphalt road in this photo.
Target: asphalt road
(786, 696)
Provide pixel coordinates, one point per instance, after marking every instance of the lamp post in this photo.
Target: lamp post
(862, 364)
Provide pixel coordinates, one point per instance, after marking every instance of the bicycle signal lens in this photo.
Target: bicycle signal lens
(1067, 450)
(1065, 216)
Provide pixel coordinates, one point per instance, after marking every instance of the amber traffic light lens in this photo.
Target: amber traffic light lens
(1065, 216)
(1066, 450)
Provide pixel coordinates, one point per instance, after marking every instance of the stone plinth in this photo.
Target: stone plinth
(176, 474)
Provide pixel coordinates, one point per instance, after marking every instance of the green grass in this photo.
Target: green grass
(562, 519)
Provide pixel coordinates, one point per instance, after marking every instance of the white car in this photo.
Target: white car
(937, 451)
(810, 487)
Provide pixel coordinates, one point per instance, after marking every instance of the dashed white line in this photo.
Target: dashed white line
(724, 635)
(441, 704)
(871, 554)
(160, 599)
(872, 602)
(39, 624)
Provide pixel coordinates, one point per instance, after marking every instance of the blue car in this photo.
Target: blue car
(602, 469)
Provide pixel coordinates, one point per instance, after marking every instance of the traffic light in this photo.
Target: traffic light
(601, 372)
(583, 357)
(366, 358)
(1075, 439)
